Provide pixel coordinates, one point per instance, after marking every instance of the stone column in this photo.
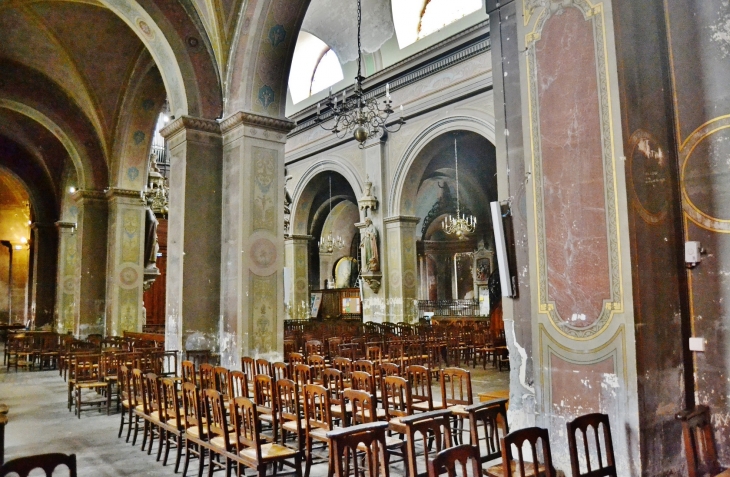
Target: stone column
(325, 268)
(296, 250)
(403, 267)
(65, 281)
(194, 234)
(91, 255)
(45, 267)
(125, 267)
(252, 292)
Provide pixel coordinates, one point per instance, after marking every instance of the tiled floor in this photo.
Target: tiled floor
(40, 422)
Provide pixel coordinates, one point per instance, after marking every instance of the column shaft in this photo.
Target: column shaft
(45, 268)
(66, 283)
(296, 252)
(403, 267)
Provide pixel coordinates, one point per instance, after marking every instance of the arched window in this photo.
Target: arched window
(327, 72)
(414, 20)
(314, 67)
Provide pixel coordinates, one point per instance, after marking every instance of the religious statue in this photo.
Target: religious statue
(369, 245)
(151, 247)
(287, 203)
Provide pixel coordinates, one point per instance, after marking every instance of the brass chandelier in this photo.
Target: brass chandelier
(461, 225)
(329, 244)
(362, 116)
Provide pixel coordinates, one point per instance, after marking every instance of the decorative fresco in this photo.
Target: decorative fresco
(262, 313)
(264, 193)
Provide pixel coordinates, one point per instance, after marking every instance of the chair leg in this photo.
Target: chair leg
(167, 446)
(188, 446)
(161, 433)
(308, 463)
(152, 439)
(121, 426)
(210, 463)
(201, 458)
(179, 452)
(144, 433)
(136, 430)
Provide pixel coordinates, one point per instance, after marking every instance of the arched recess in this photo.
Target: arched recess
(19, 163)
(408, 171)
(306, 189)
(174, 36)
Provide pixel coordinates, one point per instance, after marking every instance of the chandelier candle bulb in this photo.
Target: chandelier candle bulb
(318, 106)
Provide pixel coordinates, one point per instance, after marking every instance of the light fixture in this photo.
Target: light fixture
(72, 189)
(329, 244)
(461, 225)
(359, 114)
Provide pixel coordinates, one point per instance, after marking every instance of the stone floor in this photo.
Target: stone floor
(39, 422)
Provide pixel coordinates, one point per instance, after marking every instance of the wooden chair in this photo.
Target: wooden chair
(188, 373)
(265, 398)
(397, 402)
(519, 467)
(367, 439)
(466, 456)
(88, 384)
(128, 400)
(294, 359)
(151, 407)
(344, 365)
(262, 366)
(207, 376)
(333, 380)
(23, 466)
(237, 384)
(172, 420)
(279, 371)
(290, 414)
(249, 450)
(317, 364)
(302, 375)
(456, 395)
(220, 374)
(248, 366)
(313, 347)
(426, 428)
(582, 424)
(221, 439)
(491, 418)
(196, 434)
(198, 356)
(374, 353)
(699, 445)
(503, 359)
(419, 379)
(317, 422)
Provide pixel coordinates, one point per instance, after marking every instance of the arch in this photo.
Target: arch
(81, 162)
(397, 197)
(303, 194)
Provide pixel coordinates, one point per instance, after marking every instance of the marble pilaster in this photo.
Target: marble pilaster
(45, 264)
(194, 234)
(125, 267)
(91, 255)
(252, 263)
(296, 253)
(403, 267)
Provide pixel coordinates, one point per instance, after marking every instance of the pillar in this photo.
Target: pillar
(194, 234)
(45, 267)
(325, 268)
(296, 250)
(91, 255)
(125, 267)
(252, 294)
(66, 282)
(403, 268)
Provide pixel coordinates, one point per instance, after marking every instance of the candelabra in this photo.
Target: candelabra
(461, 225)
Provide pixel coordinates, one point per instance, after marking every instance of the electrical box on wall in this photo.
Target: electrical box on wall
(692, 253)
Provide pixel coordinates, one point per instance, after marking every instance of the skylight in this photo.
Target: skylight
(416, 19)
(314, 67)
(327, 72)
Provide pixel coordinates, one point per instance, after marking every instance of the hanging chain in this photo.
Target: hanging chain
(456, 161)
(359, 47)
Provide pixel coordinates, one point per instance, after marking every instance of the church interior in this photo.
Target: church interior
(365, 237)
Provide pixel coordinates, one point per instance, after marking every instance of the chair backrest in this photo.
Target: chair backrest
(348, 443)
(295, 358)
(461, 460)
(364, 365)
(207, 376)
(125, 385)
(287, 404)
(192, 413)
(491, 418)
(334, 381)
(604, 457)
(396, 397)
(151, 393)
(169, 364)
(363, 406)
(313, 347)
(363, 381)
(317, 413)
(170, 404)
(248, 366)
(414, 352)
(456, 387)
(188, 372)
(420, 428)
(344, 365)
(317, 363)
(215, 415)
(389, 369)
(247, 425)
(521, 466)
(198, 356)
(419, 378)
(220, 374)
(237, 384)
(374, 353)
(86, 367)
(23, 466)
(302, 375)
(265, 393)
(137, 388)
(262, 366)
(279, 371)
(699, 445)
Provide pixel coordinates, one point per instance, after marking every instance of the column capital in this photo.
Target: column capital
(114, 193)
(66, 225)
(43, 226)
(190, 123)
(402, 219)
(250, 119)
(298, 238)
(88, 195)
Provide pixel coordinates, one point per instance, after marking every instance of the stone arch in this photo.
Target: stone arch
(400, 193)
(192, 80)
(304, 192)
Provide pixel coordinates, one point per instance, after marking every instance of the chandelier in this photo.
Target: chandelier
(362, 116)
(329, 244)
(461, 225)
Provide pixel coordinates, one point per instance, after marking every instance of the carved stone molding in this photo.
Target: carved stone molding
(125, 193)
(373, 280)
(89, 195)
(250, 119)
(66, 225)
(189, 122)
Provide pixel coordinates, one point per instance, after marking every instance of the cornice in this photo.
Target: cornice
(402, 219)
(250, 119)
(86, 194)
(190, 123)
(299, 237)
(66, 225)
(126, 193)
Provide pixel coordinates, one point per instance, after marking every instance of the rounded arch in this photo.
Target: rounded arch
(304, 191)
(401, 193)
